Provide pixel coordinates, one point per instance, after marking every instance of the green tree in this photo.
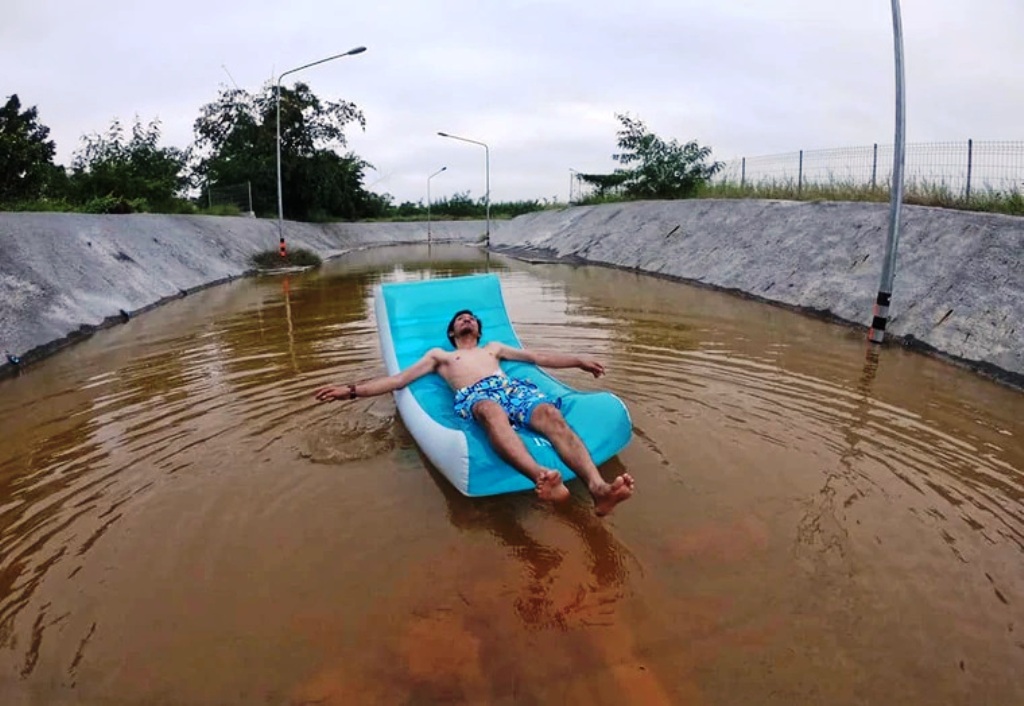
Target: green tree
(604, 183)
(236, 141)
(135, 173)
(377, 205)
(460, 206)
(327, 185)
(26, 155)
(662, 170)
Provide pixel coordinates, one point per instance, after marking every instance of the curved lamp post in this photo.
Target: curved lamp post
(487, 176)
(880, 313)
(428, 199)
(280, 198)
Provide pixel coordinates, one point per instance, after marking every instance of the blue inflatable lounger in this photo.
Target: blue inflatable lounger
(412, 318)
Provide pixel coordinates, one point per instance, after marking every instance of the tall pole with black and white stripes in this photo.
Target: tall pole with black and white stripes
(876, 334)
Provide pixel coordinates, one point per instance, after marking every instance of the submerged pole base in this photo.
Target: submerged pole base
(880, 317)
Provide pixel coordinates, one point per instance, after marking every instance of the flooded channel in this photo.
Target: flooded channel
(181, 523)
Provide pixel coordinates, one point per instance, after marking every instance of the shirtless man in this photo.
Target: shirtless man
(499, 404)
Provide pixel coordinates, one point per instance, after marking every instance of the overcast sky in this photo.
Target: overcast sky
(539, 82)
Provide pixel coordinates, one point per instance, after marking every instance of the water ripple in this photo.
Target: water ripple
(214, 402)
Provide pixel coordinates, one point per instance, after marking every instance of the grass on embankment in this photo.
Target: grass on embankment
(923, 194)
(1010, 202)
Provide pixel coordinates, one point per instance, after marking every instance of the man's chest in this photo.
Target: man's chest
(471, 359)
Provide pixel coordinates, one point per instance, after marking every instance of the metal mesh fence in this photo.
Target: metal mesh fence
(959, 167)
(238, 195)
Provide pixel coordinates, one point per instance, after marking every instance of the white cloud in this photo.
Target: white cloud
(540, 82)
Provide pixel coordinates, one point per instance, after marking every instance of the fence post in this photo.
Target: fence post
(874, 169)
(970, 156)
(800, 176)
(743, 172)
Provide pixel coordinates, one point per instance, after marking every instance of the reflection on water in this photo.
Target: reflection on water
(815, 519)
(585, 598)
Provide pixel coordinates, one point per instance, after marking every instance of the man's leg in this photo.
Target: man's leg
(547, 420)
(510, 447)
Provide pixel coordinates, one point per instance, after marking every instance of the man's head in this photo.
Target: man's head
(464, 321)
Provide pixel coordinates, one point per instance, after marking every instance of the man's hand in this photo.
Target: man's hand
(592, 367)
(329, 393)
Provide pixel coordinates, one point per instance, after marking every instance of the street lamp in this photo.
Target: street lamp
(487, 176)
(880, 313)
(428, 199)
(280, 198)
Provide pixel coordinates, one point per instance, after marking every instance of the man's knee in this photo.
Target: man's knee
(547, 416)
(489, 413)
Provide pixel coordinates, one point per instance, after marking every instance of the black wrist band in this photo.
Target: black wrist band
(352, 392)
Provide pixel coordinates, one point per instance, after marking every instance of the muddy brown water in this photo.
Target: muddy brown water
(180, 523)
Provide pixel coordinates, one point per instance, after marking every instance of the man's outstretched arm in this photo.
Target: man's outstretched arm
(379, 386)
(548, 359)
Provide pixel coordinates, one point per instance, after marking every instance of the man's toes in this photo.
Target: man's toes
(550, 486)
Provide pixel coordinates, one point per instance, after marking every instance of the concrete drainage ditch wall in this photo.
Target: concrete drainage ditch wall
(959, 281)
(63, 275)
(959, 286)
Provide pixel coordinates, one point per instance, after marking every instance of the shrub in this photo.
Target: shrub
(298, 257)
(114, 204)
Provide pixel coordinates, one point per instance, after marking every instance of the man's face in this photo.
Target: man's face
(466, 323)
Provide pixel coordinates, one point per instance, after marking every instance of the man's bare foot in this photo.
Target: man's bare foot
(550, 486)
(611, 494)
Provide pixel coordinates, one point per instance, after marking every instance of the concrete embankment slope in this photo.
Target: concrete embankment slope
(959, 285)
(959, 280)
(62, 275)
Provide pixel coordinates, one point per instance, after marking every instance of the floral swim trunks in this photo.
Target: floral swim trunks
(516, 396)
